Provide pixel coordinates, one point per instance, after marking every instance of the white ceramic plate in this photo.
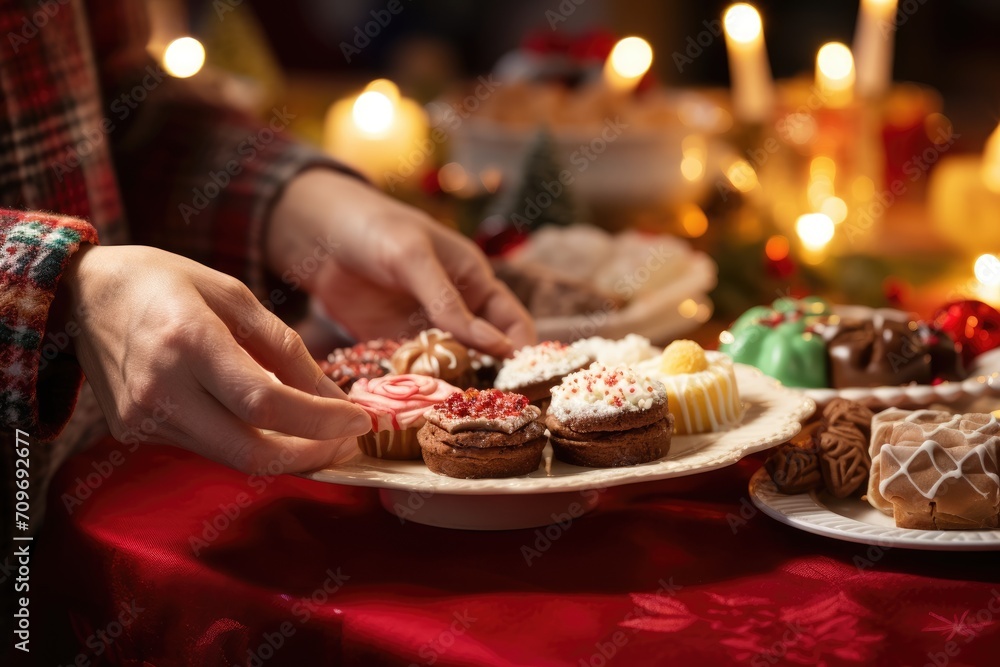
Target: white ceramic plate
(773, 416)
(984, 380)
(854, 520)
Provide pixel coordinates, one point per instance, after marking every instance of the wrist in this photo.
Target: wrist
(66, 309)
(311, 217)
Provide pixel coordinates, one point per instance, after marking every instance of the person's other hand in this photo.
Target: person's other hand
(383, 268)
(176, 354)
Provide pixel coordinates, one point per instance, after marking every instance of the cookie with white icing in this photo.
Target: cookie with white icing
(535, 369)
(609, 417)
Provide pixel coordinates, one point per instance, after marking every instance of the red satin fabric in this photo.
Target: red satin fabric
(307, 573)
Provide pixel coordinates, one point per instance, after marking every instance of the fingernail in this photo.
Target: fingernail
(360, 423)
(488, 337)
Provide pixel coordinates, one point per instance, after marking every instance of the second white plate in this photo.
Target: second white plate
(854, 520)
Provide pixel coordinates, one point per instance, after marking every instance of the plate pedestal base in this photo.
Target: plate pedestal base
(487, 512)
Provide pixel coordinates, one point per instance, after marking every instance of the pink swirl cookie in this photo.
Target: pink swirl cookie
(397, 404)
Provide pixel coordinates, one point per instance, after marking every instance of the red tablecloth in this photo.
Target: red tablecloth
(302, 573)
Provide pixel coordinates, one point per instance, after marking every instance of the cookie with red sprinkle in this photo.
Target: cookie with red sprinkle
(605, 417)
(371, 359)
(482, 434)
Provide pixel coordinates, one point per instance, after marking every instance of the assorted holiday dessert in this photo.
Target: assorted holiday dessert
(599, 402)
(605, 417)
(805, 343)
(928, 469)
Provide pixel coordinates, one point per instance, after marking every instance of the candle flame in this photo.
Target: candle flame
(183, 57)
(815, 230)
(631, 57)
(742, 23)
(835, 62)
(987, 270)
(373, 112)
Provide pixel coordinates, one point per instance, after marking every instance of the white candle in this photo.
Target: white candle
(749, 71)
(379, 133)
(874, 38)
(627, 63)
(835, 74)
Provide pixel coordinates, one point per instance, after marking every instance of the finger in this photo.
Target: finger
(214, 432)
(508, 313)
(272, 343)
(229, 374)
(483, 293)
(445, 305)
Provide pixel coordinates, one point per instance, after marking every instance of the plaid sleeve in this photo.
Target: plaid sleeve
(201, 180)
(37, 394)
(197, 178)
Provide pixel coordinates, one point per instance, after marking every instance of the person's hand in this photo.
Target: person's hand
(176, 354)
(385, 269)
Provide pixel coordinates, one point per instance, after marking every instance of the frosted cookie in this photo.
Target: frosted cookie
(396, 404)
(627, 351)
(370, 359)
(482, 434)
(434, 353)
(535, 369)
(605, 417)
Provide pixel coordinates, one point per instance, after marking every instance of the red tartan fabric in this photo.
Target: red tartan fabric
(91, 127)
(209, 567)
(34, 250)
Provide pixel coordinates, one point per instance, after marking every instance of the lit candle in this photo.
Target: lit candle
(379, 133)
(874, 38)
(964, 198)
(627, 63)
(991, 162)
(749, 71)
(835, 74)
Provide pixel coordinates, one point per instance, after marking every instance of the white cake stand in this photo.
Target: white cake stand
(558, 492)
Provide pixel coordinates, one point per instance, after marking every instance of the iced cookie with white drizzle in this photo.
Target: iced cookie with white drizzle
(434, 353)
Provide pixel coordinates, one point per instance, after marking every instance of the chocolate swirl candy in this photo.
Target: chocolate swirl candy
(843, 446)
(794, 469)
(884, 351)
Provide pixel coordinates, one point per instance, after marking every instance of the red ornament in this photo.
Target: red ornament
(973, 325)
